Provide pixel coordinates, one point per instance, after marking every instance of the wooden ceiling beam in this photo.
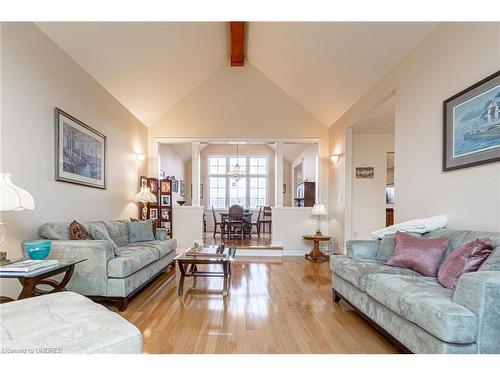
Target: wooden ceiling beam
(237, 43)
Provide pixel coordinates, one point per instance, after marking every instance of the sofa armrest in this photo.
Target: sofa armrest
(362, 249)
(480, 293)
(91, 276)
(161, 234)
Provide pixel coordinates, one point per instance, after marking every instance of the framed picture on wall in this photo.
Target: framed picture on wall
(153, 213)
(182, 188)
(471, 125)
(365, 172)
(175, 185)
(165, 187)
(165, 214)
(165, 200)
(153, 185)
(80, 152)
(143, 181)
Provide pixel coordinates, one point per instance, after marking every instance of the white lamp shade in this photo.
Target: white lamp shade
(145, 196)
(319, 210)
(12, 197)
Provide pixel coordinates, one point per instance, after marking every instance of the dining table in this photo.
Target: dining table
(247, 221)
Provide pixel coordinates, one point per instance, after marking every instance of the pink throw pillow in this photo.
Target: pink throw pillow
(466, 258)
(419, 254)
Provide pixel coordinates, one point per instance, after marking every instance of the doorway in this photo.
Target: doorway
(370, 177)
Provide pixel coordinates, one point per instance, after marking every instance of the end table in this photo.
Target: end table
(316, 255)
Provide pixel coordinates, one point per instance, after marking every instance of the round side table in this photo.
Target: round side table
(316, 255)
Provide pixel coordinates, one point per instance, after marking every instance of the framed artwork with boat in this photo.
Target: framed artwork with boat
(471, 125)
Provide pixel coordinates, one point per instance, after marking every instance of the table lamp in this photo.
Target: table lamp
(318, 211)
(144, 196)
(12, 198)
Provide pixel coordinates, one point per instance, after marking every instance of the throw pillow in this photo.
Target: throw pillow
(464, 259)
(99, 234)
(141, 231)
(419, 254)
(387, 243)
(78, 232)
(134, 220)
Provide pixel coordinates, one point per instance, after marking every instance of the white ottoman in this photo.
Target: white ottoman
(65, 322)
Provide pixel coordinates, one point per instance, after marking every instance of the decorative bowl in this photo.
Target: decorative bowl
(38, 250)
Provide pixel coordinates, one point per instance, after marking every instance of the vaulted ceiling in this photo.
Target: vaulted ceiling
(149, 67)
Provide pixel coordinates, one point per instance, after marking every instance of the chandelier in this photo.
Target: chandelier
(236, 172)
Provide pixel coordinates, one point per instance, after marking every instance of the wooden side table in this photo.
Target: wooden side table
(316, 255)
(32, 279)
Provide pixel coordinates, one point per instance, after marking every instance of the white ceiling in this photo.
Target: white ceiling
(149, 67)
(380, 120)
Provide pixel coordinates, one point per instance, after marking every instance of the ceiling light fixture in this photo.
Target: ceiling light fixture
(236, 172)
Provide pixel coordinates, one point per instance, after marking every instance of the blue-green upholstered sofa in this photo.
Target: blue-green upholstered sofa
(416, 311)
(115, 269)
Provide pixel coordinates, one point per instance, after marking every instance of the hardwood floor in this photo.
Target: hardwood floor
(274, 306)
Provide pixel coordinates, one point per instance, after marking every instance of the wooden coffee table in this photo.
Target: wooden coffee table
(31, 280)
(188, 266)
(316, 255)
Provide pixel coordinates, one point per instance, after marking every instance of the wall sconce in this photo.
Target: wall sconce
(140, 157)
(335, 157)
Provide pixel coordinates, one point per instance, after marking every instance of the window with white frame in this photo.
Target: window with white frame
(249, 191)
(217, 182)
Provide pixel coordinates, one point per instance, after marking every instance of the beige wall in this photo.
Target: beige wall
(36, 77)
(368, 194)
(453, 57)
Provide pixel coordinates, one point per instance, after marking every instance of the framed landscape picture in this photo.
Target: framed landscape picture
(365, 172)
(471, 125)
(80, 152)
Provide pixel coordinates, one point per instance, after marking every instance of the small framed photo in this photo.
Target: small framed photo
(143, 181)
(165, 187)
(175, 185)
(365, 172)
(153, 213)
(165, 200)
(182, 188)
(162, 174)
(165, 214)
(165, 224)
(153, 185)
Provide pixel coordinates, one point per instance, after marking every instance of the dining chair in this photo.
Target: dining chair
(219, 224)
(266, 218)
(235, 220)
(256, 223)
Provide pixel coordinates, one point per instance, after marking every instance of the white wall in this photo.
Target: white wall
(290, 224)
(37, 76)
(453, 57)
(309, 158)
(173, 165)
(368, 194)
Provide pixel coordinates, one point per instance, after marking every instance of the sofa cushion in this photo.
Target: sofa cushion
(387, 244)
(356, 271)
(65, 322)
(54, 231)
(464, 259)
(99, 232)
(456, 237)
(419, 254)
(139, 231)
(492, 263)
(163, 247)
(118, 231)
(131, 260)
(423, 301)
